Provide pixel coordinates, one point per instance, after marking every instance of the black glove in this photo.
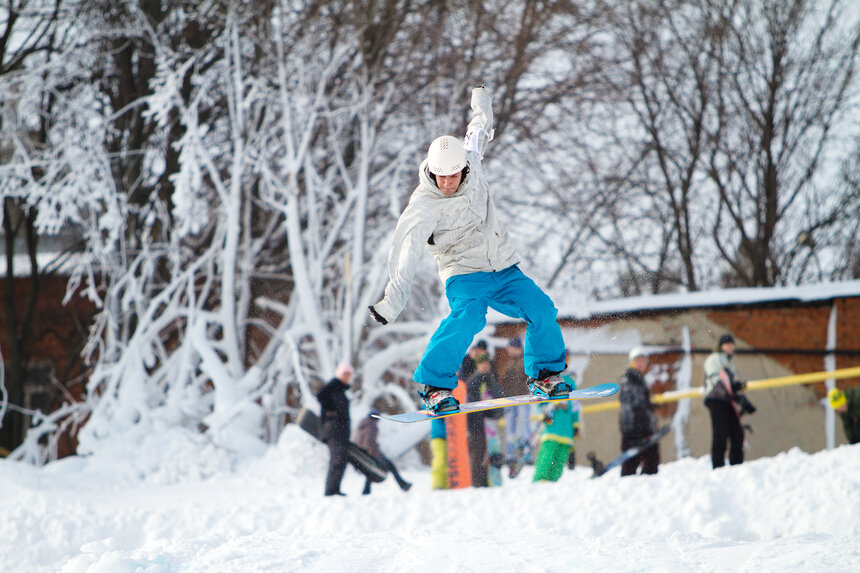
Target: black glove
(571, 459)
(739, 386)
(376, 316)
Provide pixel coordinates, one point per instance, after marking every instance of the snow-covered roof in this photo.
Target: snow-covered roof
(573, 307)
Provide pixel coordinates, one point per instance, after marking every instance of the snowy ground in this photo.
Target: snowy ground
(177, 505)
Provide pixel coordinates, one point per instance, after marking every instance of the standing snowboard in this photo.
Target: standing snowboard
(600, 469)
(358, 457)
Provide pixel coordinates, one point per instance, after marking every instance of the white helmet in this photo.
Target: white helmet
(446, 156)
(637, 352)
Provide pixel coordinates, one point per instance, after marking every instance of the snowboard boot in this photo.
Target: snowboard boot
(404, 485)
(439, 400)
(551, 387)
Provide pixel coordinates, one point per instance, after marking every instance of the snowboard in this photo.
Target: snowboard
(599, 391)
(600, 469)
(358, 457)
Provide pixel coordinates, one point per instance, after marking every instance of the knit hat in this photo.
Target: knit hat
(343, 369)
(837, 398)
(515, 343)
(636, 353)
(482, 344)
(726, 338)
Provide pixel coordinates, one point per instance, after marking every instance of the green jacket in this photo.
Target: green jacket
(851, 417)
(561, 419)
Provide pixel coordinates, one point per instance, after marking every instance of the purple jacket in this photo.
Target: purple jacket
(366, 436)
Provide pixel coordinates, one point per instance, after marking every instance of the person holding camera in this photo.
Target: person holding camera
(722, 397)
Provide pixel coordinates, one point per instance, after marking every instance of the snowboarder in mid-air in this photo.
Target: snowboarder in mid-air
(451, 213)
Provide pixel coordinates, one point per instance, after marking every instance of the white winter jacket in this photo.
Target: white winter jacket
(462, 231)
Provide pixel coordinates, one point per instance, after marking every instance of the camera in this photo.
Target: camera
(746, 407)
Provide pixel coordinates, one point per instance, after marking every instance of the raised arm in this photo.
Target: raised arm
(480, 130)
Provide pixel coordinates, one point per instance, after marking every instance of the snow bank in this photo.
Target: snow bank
(180, 505)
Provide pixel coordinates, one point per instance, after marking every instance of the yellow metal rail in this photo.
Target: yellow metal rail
(752, 386)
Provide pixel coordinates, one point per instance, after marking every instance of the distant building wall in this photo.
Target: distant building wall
(59, 333)
(774, 339)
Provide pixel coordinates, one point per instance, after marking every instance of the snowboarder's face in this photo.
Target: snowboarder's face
(640, 363)
(728, 348)
(448, 184)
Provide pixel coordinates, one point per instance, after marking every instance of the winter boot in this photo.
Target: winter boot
(404, 485)
(439, 400)
(549, 387)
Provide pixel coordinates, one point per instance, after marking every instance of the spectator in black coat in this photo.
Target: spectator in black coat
(637, 419)
(334, 424)
(467, 368)
(482, 384)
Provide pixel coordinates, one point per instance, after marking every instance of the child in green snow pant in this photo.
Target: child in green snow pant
(551, 460)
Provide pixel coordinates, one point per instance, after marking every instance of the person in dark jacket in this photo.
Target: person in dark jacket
(334, 424)
(367, 438)
(483, 382)
(517, 427)
(637, 419)
(847, 404)
(467, 368)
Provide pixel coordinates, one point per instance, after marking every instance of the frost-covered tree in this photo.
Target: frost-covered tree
(788, 103)
(244, 247)
(46, 182)
(235, 171)
(721, 145)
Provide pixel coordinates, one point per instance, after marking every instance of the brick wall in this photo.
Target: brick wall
(801, 327)
(775, 339)
(58, 335)
(59, 330)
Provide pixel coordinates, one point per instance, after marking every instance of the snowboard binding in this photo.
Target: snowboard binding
(439, 400)
(551, 387)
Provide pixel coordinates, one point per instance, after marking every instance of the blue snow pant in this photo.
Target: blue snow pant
(509, 292)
